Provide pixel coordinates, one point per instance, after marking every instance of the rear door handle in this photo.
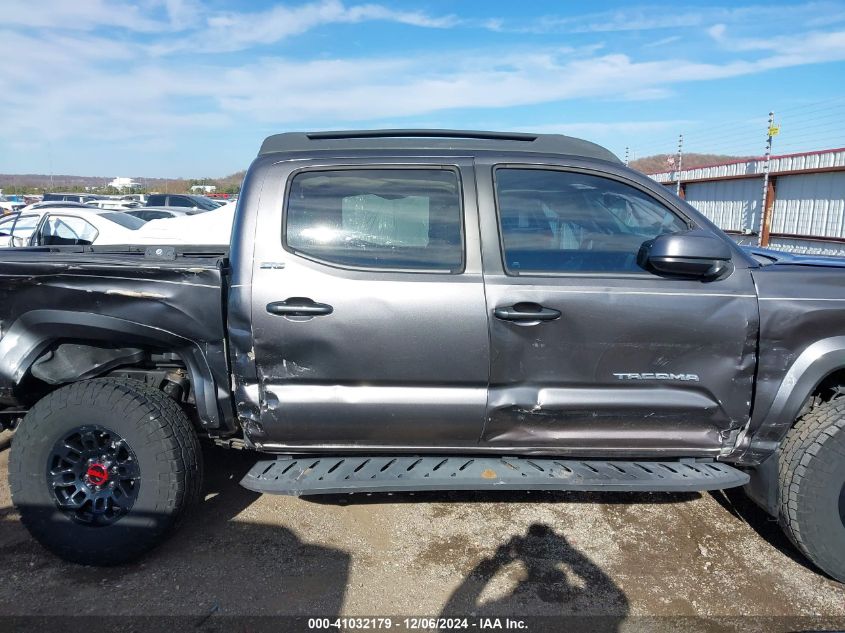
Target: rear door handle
(299, 306)
(526, 312)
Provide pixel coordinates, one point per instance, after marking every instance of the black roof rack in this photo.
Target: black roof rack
(434, 139)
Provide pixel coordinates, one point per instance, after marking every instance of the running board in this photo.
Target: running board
(334, 475)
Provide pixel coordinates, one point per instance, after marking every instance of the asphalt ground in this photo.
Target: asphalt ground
(636, 561)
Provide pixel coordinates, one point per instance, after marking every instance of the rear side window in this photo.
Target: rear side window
(63, 230)
(559, 221)
(151, 215)
(25, 226)
(6, 225)
(179, 201)
(125, 220)
(156, 200)
(401, 219)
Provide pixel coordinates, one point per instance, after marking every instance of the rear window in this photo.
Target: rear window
(146, 216)
(206, 204)
(401, 219)
(125, 220)
(180, 201)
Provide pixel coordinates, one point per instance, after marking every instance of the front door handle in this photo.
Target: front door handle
(526, 312)
(299, 306)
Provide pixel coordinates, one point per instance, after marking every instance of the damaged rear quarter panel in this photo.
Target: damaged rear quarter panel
(121, 299)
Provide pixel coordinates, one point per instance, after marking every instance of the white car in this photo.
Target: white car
(212, 228)
(116, 205)
(68, 226)
(136, 197)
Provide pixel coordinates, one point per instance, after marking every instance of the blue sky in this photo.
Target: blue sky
(190, 88)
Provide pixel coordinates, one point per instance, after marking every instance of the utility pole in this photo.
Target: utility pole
(768, 192)
(626, 157)
(680, 163)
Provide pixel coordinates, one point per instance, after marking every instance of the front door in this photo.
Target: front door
(590, 352)
(369, 317)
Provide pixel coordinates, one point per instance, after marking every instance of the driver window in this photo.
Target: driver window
(559, 221)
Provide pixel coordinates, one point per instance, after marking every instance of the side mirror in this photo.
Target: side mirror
(692, 254)
(17, 242)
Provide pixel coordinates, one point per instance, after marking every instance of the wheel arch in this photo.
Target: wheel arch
(813, 367)
(35, 331)
(819, 366)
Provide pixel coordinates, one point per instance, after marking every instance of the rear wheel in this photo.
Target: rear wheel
(812, 486)
(102, 470)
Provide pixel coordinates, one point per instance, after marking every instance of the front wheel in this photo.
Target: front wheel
(812, 486)
(102, 470)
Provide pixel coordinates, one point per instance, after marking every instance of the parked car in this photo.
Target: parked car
(17, 228)
(181, 200)
(199, 228)
(54, 204)
(71, 197)
(136, 197)
(424, 310)
(76, 226)
(117, 205)
(161, 213)
(8, 205)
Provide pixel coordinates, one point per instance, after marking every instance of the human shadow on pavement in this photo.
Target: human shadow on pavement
(553, 579)
(223, 562)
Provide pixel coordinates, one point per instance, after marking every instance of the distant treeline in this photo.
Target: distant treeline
(39, 183)
(659, 163)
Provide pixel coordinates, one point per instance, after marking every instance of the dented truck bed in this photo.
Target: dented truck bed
(135, 297)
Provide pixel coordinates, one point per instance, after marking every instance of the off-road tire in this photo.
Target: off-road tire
(161, 437)
(812, 486)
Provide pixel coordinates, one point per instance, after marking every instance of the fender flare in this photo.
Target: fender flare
(33, 332)
(812, 366)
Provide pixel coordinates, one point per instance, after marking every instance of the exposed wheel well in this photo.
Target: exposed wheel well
(68, 361)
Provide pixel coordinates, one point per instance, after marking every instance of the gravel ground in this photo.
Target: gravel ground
(713, 556)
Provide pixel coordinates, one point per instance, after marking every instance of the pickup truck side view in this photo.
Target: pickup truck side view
(424, 310)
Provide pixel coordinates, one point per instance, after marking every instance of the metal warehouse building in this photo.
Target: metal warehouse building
(801, 211)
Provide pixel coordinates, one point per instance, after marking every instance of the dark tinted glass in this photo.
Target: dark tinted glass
(156, 200)
(125, 220)
(151, 215)
(204, 203)
(558, 221)
(180, 201)
(378, 218)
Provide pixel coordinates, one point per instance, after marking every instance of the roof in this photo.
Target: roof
(469, 140)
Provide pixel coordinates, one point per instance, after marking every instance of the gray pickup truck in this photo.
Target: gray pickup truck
(424, 310)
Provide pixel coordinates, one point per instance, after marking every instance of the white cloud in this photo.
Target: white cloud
(86, 96)
(663, 41)
(605, 129)
(78, 15)
(87, 84)
(233, 31)
(717, 32)
(656, 17)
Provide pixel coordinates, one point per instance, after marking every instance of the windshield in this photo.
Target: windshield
(125, 220)
(206, 203)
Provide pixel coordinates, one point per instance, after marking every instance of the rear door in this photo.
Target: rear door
(591, 353)
(18, 229)
(369, 319)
